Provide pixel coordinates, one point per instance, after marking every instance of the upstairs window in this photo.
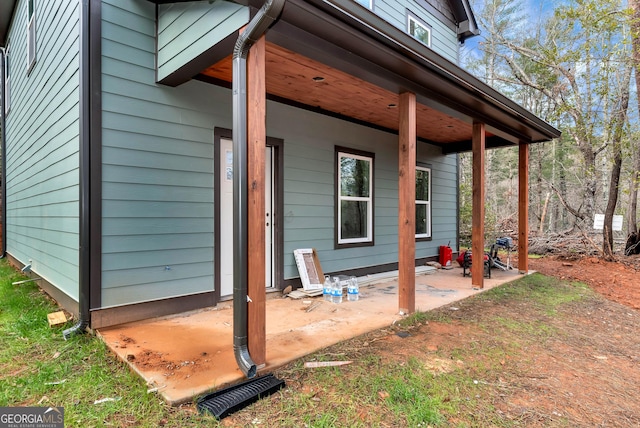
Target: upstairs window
(31, 35)
(354, 191)
(366, 3)
(419, 30)
(423, 202)
(7, 82)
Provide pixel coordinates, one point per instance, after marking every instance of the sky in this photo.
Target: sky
(534, 10)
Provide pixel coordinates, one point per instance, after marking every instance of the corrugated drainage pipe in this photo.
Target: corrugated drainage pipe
(266, 16)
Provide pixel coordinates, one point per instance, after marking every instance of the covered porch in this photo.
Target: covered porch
(339, 59)
(336, 58)
(186, 355)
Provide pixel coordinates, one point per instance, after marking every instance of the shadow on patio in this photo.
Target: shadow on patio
(189, 354)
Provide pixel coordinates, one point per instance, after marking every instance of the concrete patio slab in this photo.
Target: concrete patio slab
(190, 354)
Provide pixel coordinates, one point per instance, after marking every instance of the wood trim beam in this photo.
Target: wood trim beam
(491, 142)
(115, 315)
(256, 141)
(407, 203)
(523, 208)
(477, 222)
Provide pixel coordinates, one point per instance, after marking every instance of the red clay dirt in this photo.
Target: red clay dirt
(586, 375)
(618, 281)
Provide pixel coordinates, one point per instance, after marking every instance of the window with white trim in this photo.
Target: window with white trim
(7, 82)
(423, 202)
(366, 3)
(31, 35)
(354, 191)
(419, 30)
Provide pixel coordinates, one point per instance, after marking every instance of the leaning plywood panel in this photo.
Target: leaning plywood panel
(309, 268)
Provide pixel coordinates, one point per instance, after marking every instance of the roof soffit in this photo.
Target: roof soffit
(345, 35)
(366, 36)
(467, 25)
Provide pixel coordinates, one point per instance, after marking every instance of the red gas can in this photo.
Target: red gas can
(445, 255)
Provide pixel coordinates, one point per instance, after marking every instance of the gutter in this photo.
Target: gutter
(388, 34)
(257, 27)
(85, 176)
(3, 149)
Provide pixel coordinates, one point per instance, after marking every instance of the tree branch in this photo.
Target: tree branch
(573, 211)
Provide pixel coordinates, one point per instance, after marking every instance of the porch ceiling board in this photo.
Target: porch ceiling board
(291, 76)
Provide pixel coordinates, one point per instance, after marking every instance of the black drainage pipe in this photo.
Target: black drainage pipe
(265, 17)
(84, 152)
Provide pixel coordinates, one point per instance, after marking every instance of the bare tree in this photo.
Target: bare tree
(565, 64)
(634, 179)
(617, 131)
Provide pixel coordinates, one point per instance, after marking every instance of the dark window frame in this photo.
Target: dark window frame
(338, 150)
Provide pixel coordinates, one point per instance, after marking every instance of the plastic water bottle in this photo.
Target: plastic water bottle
(336, 291)
(353, 293)
(326, 289)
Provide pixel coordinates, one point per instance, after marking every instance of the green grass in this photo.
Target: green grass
(461, 397)
(39, 368)
(544, 291)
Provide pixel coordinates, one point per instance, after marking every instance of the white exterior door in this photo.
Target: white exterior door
(268, 220)
(225, 176)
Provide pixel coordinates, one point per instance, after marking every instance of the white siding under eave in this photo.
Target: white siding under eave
(42, 145)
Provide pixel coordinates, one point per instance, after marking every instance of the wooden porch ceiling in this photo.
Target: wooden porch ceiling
(297, 78)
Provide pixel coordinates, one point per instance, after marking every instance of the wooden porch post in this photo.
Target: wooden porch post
(256, 141)
(523, 208)
(477, 222)
(407, 204)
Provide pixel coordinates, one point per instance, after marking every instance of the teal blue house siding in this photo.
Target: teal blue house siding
(444, 40)
(444, 200)
(309, 189)
(158, 172)
(42, 144)
(158, 175)
(186, 30)
(154, 128)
